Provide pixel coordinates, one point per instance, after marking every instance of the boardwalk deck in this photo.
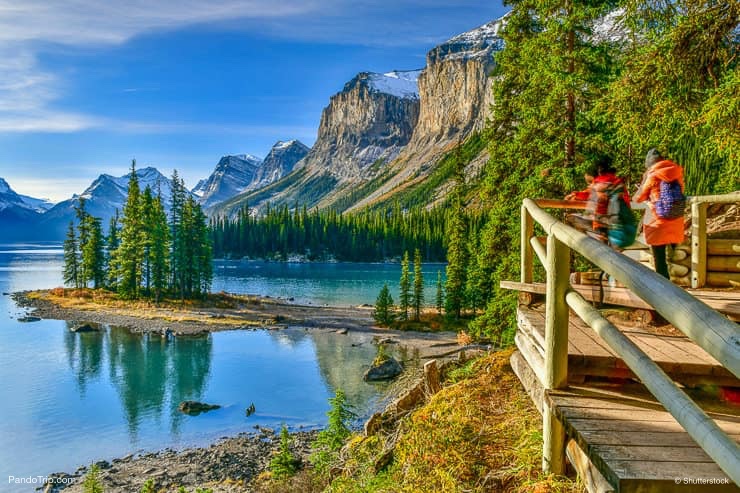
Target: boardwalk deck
(724, 301)
(589, 355)
(638, 446)
(628, 441)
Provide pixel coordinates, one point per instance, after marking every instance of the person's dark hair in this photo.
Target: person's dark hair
(604, 165)
(591, 170)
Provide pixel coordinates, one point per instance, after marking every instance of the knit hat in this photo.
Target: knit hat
(653, 156)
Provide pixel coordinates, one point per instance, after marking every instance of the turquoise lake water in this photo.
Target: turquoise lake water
(68, 399)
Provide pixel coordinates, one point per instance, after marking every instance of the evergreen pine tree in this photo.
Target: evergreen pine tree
(456, 247)
(418, 285)
(130, 252)
(160, 248)
(404, 295)
(71, 272)
(177, 252)
(440, 297)
(331, 439)
(285, 463)
(93, 254)
(383, 312)
(112, 244)
(83, 236)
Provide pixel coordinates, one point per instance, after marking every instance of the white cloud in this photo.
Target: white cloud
(28, 91)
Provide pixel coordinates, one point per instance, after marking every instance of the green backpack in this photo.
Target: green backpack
(621, 222)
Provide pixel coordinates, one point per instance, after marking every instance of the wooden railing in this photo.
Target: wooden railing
(699, 242)
(706, 327)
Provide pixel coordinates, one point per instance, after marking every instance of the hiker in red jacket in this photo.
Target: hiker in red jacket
(660, 231)
(605, 184)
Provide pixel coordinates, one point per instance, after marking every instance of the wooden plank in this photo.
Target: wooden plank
(729, 304)
(723, 264)
(701, 427)
(535, 360)
(526, 256)
(641, 426)
(561, 204)
(723, 279)
(641, 438)
(528, 378)
(587, 472)
(650, 453)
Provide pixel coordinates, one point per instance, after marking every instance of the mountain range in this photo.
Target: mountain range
(384, 138)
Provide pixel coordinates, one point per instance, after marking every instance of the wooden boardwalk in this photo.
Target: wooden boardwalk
(589, 355)
(622, 434)
(637, 406)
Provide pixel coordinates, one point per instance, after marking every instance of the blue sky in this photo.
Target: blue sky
(87, 85)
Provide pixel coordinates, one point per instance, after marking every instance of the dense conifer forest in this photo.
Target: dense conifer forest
(367, 236)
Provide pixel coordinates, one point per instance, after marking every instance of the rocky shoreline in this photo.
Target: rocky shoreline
(227, 466)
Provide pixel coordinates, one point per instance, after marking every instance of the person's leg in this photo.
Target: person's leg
(661, 265)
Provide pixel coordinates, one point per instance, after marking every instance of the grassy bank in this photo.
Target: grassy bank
(480, 433)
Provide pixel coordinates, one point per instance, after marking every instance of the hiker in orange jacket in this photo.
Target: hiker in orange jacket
(659, 232)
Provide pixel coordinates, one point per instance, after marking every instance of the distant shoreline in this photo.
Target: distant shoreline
(223, 312)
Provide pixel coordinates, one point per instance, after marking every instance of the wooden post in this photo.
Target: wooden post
(527, 262)
(556, 350)
(698, 243)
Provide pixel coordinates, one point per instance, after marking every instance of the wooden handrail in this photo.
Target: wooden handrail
(699, 233)
(709, 329)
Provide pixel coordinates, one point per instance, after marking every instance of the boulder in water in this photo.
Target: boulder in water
(84, 328)
(388, 369)
(28, 319)
(194, 408)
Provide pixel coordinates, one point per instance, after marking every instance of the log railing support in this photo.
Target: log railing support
(698, 243)
(556, 350)
(527, 262)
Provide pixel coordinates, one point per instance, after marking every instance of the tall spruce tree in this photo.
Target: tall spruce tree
(83, 236)
(418, 285)
(130, 252)
(177, 252)
(404, 286)
(93, 253)
(71, 272)
(112, 243)
(160, 248)
(383, 311)
(440, 295)
(456, 247)
(556, 65)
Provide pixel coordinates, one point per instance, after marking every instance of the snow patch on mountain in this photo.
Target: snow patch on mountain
(402, 84)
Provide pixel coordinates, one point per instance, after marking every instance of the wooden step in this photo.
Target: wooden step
(638, 446)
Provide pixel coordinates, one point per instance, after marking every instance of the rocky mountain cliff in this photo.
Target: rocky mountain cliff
(455, 94)
(385, 135)
(231, 176)
(240, 174)
(365, 125)
(280, 161)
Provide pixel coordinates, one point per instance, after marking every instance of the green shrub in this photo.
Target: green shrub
(285, 463)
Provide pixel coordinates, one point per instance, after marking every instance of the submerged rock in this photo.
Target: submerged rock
(84, 328)
(385, 370)
(194, 408)
(29, 319)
